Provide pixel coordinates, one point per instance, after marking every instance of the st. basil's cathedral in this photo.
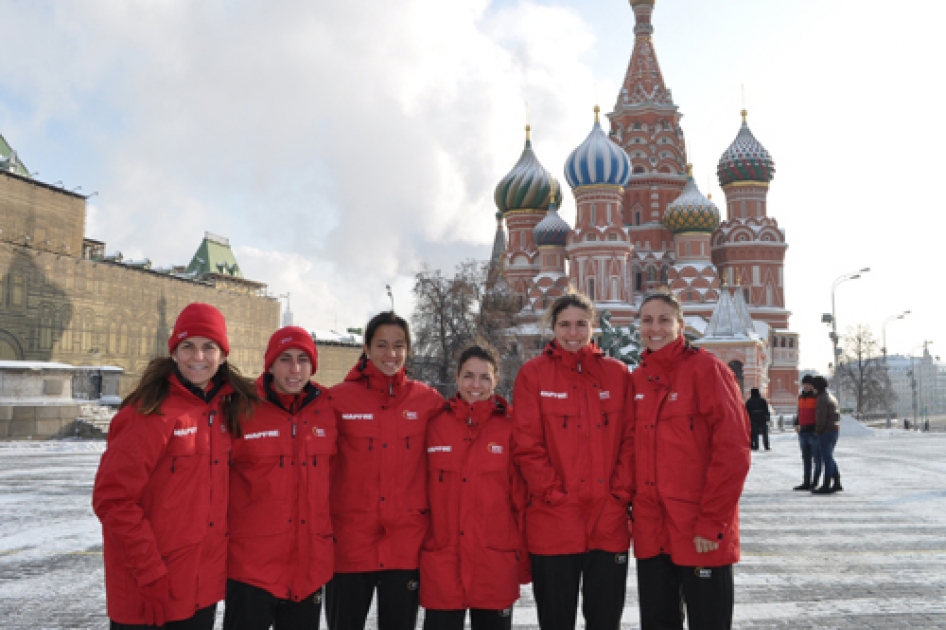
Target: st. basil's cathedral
(642, 225)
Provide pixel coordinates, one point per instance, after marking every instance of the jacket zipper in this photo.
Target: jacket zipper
(565, 423)
(370, 444)
(173, 462)
(280, 460)
(407, 439)
(441, 475)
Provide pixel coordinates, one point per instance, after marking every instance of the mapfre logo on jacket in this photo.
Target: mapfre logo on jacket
(357, 416)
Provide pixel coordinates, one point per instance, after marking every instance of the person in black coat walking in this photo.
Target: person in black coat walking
(758, 408)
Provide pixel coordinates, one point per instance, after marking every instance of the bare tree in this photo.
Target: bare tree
(453, 312)
(861, 371)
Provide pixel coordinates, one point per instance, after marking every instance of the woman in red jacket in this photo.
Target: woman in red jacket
(691, 435)
(161, 488)
(575, 455)
(379, 492)
(281, 546)
(474, 557)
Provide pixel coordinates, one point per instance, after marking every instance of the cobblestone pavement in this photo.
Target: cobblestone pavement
(873, 556)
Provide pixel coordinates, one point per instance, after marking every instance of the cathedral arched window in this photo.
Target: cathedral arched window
(651, 274)
(638, 170)
(591, 237)
(637, 216)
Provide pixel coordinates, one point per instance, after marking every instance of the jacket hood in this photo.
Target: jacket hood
(479, 411)
(366, 373)
(570, 359)
(669, 355)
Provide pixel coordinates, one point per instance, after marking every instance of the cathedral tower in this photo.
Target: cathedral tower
(598, 247)
(523, 196)
(646, 124)
(749, 246)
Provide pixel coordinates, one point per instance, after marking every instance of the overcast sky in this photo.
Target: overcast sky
(341, 145)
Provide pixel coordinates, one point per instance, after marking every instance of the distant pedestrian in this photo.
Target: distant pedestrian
(759, 416)
(161, 488)
(691, 438)
(807, 440)
(827, 428)
(282, 549)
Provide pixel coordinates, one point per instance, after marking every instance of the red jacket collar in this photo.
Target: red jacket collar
(479, 412)
(668, 356)
(571, 359)
(373, 379)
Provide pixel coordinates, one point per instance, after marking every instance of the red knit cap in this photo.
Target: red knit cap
(291, 338)
(200, 320)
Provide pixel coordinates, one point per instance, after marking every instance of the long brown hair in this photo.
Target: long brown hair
(154, 387)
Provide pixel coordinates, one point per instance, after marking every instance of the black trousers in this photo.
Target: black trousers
(252, 608)
(348, 599)
(203, 619)
(666, 590)
(602, 576)
(479, 619)
(760, 429)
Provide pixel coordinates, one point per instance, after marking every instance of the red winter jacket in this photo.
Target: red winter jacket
(379, 491)
(280, 526)
(474, 555)
(573, 450)
(691, 435)
(161, 494)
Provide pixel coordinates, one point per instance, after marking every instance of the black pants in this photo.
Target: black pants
(760, 429)
(479, 619)
(666, 589)
(252, 608)
(348, 598)
(602, 576)
(203, 619)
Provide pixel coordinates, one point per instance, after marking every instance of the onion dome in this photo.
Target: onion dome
(552, 230)
(746, 160)
(597, 160)
(691, 211)
(527, 185)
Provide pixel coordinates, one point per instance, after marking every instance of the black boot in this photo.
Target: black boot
(827, 488)
(837, 483)
(804, 486)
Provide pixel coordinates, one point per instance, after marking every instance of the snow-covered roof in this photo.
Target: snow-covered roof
(695, 322)
(730, 318)
(338, 337)
(34, 365)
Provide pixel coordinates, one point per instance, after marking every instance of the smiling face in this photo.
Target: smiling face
(388, 349)
(572, 328)
(476, 380)
(661, 324)
(291, 371)
(198, 359)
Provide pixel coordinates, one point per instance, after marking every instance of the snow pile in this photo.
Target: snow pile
(852, 428)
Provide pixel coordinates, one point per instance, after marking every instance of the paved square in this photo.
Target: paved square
(873, 556)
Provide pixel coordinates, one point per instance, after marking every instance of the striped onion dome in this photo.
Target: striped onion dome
(597, 160)
(691, 211)
(746, 160)
(552, 230)
(527, 185)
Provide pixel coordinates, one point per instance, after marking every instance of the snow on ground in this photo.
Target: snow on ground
(873, 556)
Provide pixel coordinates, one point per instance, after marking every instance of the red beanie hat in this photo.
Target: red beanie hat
(291, 338)
(200, 320)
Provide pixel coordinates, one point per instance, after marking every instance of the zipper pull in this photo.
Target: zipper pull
(294, 427)
(579, 367)
(391, 389)
(210, 418)
(469, 421)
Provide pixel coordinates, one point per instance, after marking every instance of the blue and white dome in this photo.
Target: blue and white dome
(597, 161)
(552, 230)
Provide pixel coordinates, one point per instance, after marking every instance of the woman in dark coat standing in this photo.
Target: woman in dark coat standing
(827, 428)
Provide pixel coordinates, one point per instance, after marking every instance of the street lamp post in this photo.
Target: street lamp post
(390, 295)
(854, 275)
(883, 336)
